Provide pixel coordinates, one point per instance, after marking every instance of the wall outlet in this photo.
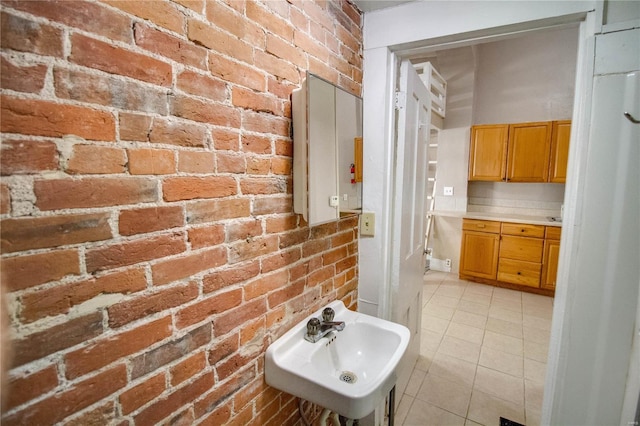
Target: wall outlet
(448, 191)
(447, 263)
(368, 224)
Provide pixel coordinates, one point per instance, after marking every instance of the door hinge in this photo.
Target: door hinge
(400, 99)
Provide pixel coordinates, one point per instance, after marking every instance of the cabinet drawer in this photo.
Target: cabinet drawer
(521, 248)
(553, 232)
(523, 230)
(519, 272)
(481, 225)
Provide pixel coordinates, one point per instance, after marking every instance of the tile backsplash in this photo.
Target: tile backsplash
(535, 199)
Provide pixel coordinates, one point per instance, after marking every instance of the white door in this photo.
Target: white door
(409, 212)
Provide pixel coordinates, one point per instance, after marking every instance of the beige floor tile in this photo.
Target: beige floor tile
(430, 341)
(435, 277)
(532, 417)
(424, 360)
(450, 290)
(536, 335)
(533, 394)
(442, 393)
(530, 299)
(541, 312)
(480, 289)
(508, 294)
(505, 314)
(535, 370)
(459, 348)
(480, 299)
(449, 302)
(453, 369)
(403, 409)
(511, 305)
(471, 423)
(424, 414)
(536, 351)
(486, 409)
(473, 307)
(502, 361)
(465, 332)
(417, 377)
(500, 385)
(503, 343)
(435, 324)
(536, 322)
(468, 318)
(436, 310)
(508, 328)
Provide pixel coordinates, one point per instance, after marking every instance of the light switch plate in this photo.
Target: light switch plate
(368, 224)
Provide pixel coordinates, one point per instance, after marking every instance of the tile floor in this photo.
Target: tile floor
(483, 355)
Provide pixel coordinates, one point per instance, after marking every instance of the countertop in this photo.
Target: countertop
(502, 217)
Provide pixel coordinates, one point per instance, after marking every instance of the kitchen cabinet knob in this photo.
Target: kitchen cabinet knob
(519, 273)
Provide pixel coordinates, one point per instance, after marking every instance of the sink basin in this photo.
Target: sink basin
(348, 372)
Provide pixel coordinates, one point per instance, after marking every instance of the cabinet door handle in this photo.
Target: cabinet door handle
(631, 118)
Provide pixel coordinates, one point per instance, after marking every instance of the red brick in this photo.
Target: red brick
(91, 17)
(245, 250)
(295, 237)
(21, 389)
(263, 186)
(284, 147)
(265, 284)
(256, 144)
(202, 85)
(135, 251)
(174, 269)
(233, 318)
(100, 415)
(281, 166)
(277, 67)
(172, 132)
(5, 199)
(225, 139)
(188, 368)
(227, 277)
(281, 259)
(235, 363)
(269, 21)
(285, 50)
(51, 340)
(108, 90)
(272, 205)
(219, 415)
(344, 264)
(244, 230)
(227, 162)
(134, 127)
(217, 396)
(170, 351)
(215, 210)
(203, 309)
(281, 224)
(107, 350)
(61, 298)
(222, 349)
(54, 194)
(147, 304)
(151, 161)
(44, 118)
(258, 166)
(27, 157)
(206, 236)
(265, 123)
(189, 188)
(106, 57)
(260, 102)
(28, 36)
(28, 78)
(312, 247)
(137, 396)
(60, 405)
(143, 220)
(180, 397)
(236, 72)
(92, 159)
(23, 272)
(285, 294)
(196, 162)
(205, 112)
(53, 231)
(224, 17)
(196, 5)
(320, 276)
(219, 41)
(161, 13)
(177, 49)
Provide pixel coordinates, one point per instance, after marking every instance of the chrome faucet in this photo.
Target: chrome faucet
(317, 329)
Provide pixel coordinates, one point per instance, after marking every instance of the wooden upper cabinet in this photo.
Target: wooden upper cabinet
(528, 152)
(488, 152)
(561, 133)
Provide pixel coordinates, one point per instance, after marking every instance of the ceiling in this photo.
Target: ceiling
(369, 5)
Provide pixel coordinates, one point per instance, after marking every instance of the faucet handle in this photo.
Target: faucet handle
(313, 326)
(328, 314)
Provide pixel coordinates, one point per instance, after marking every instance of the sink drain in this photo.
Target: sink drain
(348, 377)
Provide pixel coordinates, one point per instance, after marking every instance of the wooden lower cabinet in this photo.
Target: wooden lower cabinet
(511, 255)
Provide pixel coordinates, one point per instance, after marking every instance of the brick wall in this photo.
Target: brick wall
(149, 249)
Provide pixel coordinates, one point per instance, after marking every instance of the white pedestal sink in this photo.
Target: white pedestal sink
(348, 372)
